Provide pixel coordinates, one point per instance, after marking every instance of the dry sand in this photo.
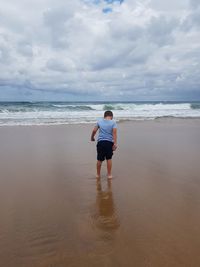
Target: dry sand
(54, 213)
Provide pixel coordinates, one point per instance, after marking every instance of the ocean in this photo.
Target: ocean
(45, 113)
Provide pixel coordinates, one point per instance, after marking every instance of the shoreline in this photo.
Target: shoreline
(157, 119)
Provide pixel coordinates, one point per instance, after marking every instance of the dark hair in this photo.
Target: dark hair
(108, 113)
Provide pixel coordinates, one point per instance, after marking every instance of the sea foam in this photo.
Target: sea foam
(37, 113)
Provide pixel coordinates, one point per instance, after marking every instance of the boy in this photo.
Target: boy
(106, 143)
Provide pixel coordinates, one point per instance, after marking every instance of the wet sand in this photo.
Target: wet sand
(54, 213)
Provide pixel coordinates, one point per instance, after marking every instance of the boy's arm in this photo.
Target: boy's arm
(94, 132)
(115, 138)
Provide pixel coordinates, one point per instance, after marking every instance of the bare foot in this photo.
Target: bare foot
(110, 176)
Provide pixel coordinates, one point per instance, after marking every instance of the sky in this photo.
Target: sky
(99, 50)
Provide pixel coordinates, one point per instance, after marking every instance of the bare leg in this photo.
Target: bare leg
(109, 168)
(98, 168)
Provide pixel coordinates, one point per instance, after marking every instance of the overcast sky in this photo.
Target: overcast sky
(100, 50)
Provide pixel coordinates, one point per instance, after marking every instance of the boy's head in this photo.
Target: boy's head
(108, 113)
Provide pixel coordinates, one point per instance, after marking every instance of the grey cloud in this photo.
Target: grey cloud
(10, 22)
(170, 5)
(25, 49)
(59, 65)
(194, 3)
(139, 49)
(160, 30)
(191, 21)
(55, 17)
(58, 20)
(55, 20)
(4, 55)
(123, 29)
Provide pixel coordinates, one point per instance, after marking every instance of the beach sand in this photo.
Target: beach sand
(54, 213)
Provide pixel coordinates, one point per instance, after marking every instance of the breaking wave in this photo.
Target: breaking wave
(195, 106)
(31, 113)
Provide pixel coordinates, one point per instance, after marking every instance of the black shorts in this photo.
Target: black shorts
(104, 150)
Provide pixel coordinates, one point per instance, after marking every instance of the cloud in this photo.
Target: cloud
(160, 30)
(118, 49)
(194, 3)
(192, 21)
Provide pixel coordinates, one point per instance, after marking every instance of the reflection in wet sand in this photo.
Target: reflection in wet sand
(105, 214)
